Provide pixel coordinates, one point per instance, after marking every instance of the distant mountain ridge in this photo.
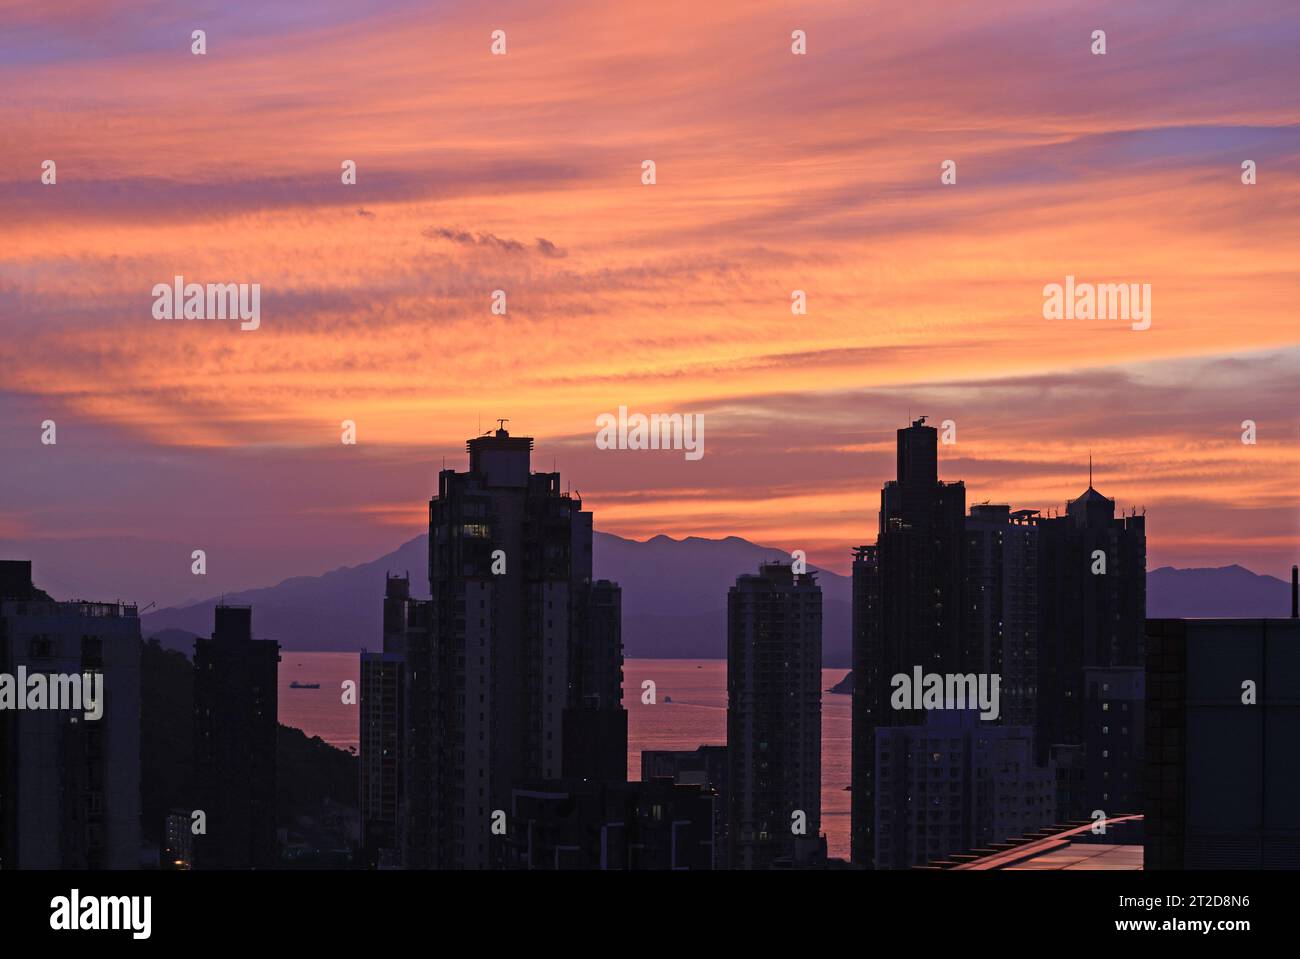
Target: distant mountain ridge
(1219, 591)
(674, 598)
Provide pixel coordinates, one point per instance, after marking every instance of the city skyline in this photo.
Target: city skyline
(850, 438)
(934, 590)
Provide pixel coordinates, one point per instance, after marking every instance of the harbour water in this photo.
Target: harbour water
(690, 710)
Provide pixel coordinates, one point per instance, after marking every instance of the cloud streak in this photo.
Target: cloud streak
(522, 173)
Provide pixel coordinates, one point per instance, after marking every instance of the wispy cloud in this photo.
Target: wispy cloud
(521, 173)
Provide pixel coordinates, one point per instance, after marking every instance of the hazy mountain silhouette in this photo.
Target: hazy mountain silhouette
(1229, 591)
(675, 594)
(339, 611)
(674, 598)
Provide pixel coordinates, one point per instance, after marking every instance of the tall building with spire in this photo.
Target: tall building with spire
(1092, 615)
(519, 675)
(1053, 606)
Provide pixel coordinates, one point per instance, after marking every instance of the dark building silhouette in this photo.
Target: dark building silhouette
(381, 722)
(178, 841)
(69, 784)
(869, 701)
(1222, 776)
(583, 824)
(1087, 620)
(1114, 732)
(907, 606)
(1070, 762)
(1040, 602)
(955, 783)
(1001, 604)
(519, 677)
(774, 660)
(705, 767)
(595, 724)
(235, 729)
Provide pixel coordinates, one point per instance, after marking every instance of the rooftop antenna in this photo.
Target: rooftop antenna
(501, 424)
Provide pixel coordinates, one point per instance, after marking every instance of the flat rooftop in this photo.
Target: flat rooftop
(1065, 846)
(1083, 855)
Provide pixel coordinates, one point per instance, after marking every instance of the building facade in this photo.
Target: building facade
(1222, 719)
(1115, 736)
(774, 641)
(1001, 604)
(382, 721)
(586, 824)
(908, 596)
(69, 780)
(519, 676)
(705, 767)
(953, 784)
(235, 740)
(1092, 612)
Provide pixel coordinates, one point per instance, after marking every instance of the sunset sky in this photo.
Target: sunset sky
(522, 172)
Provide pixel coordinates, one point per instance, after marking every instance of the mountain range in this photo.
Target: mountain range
(674, 598)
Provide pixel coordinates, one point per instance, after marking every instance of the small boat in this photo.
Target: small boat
(297, 685)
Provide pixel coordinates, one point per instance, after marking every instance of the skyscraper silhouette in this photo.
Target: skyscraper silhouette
(774, 659)
(520, 675)
(1001, 604)
(235, 731)
(907, 605)
(1092, 613)
(382, 717)
(1043, 603)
